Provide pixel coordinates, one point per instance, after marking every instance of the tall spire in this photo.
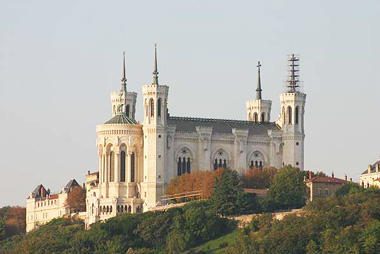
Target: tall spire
(258, 89)
(155, 72)
(124, 78)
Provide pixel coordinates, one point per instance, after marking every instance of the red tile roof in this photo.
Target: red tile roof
(326, 179)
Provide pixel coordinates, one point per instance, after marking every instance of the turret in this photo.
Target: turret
(155, 97)
(258, 110)
(291, 119)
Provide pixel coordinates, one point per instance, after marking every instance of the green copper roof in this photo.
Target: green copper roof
(121, 119)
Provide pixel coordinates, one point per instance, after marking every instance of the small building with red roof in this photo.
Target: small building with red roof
(323, 186)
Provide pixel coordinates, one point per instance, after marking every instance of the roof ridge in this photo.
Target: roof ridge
(218, 120)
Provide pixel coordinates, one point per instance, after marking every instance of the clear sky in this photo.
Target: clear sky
(59, 60)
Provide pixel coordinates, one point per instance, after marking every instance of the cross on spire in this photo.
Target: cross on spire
(258, 89)
(155, 72)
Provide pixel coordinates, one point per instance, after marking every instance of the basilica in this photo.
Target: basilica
(137, 160)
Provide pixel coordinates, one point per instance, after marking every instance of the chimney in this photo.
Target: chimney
(377, 167)
(88, 172)
(369, 169)
(332, 175)
(310, 175)
(350, 179)
(345, 177)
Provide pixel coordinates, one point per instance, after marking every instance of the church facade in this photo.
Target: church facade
(137, 160)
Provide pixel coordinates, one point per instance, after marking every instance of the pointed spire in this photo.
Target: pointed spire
(258, 89)
(155, 72)
(124, 78)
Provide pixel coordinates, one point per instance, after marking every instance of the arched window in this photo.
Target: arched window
(112, 167)
(255, 117)
(159, 107)
(122, 208)
(290, 115)
(256, 160)
(111, 209)
(179, 166)
(118, 208)
(151, 105)
(127, 109)
(262, 117)
(184, 161)
(129, 209)
(122, 166)
(108, 209)
(220, 159)
(296, 116)
(133, 167)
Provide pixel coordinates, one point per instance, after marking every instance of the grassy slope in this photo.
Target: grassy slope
(213, 246)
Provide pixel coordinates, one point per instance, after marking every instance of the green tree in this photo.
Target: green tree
(2, 229)
(228, 196)
(348, 188)
(288, 189)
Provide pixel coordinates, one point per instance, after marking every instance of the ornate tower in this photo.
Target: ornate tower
(258, 110)
(155, 98)
(128, 99)
(292, 117)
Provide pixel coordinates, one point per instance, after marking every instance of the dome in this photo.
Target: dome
(121, 118)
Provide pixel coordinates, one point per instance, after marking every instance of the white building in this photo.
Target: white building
(41, 207)
(371, 177)
(137, 160)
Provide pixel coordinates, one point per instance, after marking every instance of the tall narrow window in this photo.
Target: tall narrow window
(290, 115)
(183, 165)
(262, 117)
(179, 167)
(255, 117)
(159, 107)
(216, 164)
(112, 167)
(127, 109)
(151, 104)
(122, 166)
(296, 116)
(133, 167)
(188, 169)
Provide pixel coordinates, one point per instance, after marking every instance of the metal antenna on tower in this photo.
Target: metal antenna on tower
(293, 73)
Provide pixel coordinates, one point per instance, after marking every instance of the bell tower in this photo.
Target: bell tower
(291, 119)
(258, 110)
(155, 97)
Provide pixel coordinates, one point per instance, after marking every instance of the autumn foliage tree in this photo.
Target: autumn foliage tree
(203, 181)
(76, 199)
(259, 178)
(12, 221)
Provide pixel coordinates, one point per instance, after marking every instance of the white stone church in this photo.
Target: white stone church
(137, 161)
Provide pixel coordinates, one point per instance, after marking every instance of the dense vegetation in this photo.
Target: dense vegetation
(12, 221)
(153, 232)
(345, 223)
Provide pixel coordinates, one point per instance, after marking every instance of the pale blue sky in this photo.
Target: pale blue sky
(59, 60)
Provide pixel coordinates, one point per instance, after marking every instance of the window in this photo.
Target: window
(319, 191)
(122, 166)
(159, 107)
(262, 117)
(127, 110)
(290, 115)
(151, 104)
(255, 117)
(184, 161)
(112, 166)
(220, 159)
(256, 160)
(133, 167)
(326, 192)
(296, 116)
